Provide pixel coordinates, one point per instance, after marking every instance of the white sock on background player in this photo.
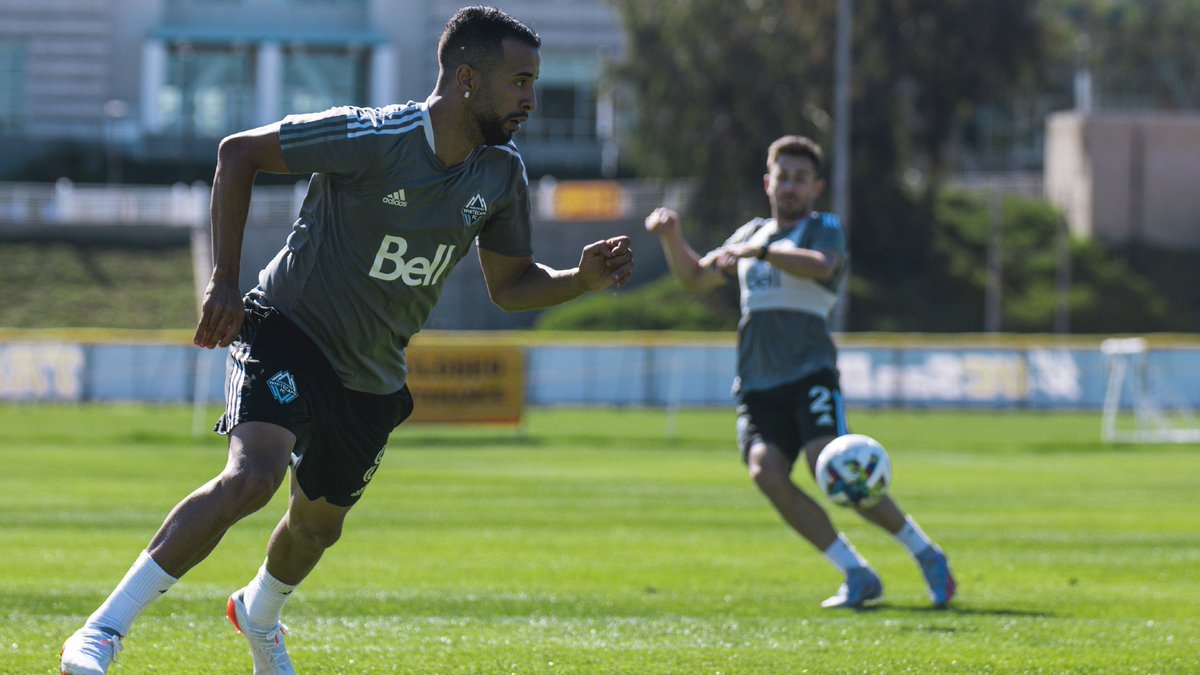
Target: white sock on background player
(913, 537)
(843, 556)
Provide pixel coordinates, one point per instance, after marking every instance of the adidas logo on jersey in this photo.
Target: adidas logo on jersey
(397, 198)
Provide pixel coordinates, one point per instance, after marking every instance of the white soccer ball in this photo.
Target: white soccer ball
(854, 470)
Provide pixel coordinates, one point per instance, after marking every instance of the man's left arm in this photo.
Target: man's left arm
(518, 284)
(807, 263)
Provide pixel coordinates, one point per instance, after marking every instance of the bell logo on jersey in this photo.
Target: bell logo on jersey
(419, 271)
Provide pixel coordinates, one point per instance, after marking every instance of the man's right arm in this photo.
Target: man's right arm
(239, 159)
(681, 257)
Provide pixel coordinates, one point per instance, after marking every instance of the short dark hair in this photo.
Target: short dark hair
(796, 146)
(475, 36)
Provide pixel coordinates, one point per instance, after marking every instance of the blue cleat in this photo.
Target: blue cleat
(937, 574)
(862, 586)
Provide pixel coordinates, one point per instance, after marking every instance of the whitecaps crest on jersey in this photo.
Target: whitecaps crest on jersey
(474, 209)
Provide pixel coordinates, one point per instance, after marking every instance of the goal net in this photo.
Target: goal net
(1139, 406)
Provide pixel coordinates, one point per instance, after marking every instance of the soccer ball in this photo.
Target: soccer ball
(854, 470)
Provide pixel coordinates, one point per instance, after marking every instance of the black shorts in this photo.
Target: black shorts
(791, 415)
(276, 374)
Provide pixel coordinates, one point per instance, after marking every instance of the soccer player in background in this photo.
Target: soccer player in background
(316, 373)
(788, 393)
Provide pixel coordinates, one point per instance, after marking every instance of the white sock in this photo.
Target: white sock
(265, 597)
(843, 556)
(142, 584)
(913, 538)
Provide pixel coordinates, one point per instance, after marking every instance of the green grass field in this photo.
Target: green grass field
(588, 543)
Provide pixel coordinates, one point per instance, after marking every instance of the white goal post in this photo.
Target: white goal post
(1138, 405)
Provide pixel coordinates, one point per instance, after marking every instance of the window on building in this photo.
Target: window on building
(281, 2)
(12, 85)
(209, 90)
(316, 79)
(565, 112)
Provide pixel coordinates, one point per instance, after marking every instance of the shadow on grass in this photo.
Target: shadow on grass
(955, 610)
(406, 438)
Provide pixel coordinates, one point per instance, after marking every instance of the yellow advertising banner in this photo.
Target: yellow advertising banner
(589, 200)
(476, 384)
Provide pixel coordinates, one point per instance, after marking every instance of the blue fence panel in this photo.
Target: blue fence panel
(614, 375)
(42, 371)
(869, 376)
(693, 375)
(153, 373)
(554, 376)
(210, 374)
(1175, 374)
(640, 374)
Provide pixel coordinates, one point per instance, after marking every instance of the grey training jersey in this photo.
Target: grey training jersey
(383, 223)
(783, 334)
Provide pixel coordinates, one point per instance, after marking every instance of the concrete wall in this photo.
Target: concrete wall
(1126, 177)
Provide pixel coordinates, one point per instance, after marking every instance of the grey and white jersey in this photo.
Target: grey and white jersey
(783, 334)
(382, 224)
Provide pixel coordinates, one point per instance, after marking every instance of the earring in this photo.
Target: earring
(466, 94)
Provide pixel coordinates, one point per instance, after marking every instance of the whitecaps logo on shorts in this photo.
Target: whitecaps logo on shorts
(283, 387)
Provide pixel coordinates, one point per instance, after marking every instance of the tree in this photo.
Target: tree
(946, 296)
(1142, 53)
(715, 82)
(1030, 229)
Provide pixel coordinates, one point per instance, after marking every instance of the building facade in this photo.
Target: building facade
(1126, 177)
(161, 80)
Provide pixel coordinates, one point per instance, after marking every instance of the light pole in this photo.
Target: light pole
(841, 146)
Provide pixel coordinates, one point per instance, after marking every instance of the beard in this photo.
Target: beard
(493, 131)
(794, 212)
